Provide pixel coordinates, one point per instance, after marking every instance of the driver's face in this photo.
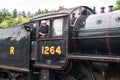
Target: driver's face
(44, 24)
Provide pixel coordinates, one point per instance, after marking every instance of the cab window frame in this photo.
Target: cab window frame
(57, 36)
(77, 9)
(80, 9)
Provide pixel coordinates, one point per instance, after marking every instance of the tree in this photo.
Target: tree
(16, 18)
(46, 11)
(39, 11)
(35, 14)
(19, 14)
(117, 6)
(4, 12)
(1, 19)
(8, 17)
(23, 14)
(0, 13)
(42, 12)
(7, 13)
(14, 13)
(28, 14)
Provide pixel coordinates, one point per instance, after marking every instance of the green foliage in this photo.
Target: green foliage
(41, 12)
(13, 21)
(117, 7)
(23, 20)
(29, 15)
(1, 19)
(16, 18)
(3, 24)
(23, 14)
(14, 13)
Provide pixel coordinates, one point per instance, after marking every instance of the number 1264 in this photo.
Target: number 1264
(51, 50)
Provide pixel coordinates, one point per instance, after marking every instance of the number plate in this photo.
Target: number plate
(51, 50)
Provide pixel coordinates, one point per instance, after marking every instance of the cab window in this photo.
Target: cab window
(75, 14)
(57, 27)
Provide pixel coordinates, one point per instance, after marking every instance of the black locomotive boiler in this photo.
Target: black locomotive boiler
(81, 45)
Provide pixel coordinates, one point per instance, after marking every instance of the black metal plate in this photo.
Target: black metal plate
(52, 60)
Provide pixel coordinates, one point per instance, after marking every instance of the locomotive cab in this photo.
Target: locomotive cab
(51, 51)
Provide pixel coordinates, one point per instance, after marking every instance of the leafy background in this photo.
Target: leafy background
(16, 18)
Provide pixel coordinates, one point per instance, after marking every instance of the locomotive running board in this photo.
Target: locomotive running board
(96, 58)
(13, 68)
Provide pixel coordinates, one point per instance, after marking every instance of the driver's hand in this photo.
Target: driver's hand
(41, 34)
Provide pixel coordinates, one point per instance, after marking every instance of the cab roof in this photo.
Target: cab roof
(57, 13)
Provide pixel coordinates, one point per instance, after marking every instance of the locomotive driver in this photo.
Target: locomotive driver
(43, 29)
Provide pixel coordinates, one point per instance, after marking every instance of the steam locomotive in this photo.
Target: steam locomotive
(81, 45)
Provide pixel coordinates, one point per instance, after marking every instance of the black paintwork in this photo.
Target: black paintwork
(53, 61)
(88, 37)
(19, 38)
(98, 37)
